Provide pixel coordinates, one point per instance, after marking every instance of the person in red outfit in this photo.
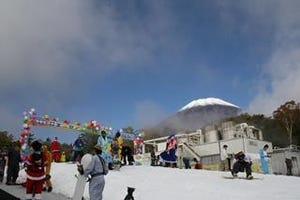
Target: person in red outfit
(55, 149)
(35, 172)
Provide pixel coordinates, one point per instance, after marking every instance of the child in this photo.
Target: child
(198, 165)
(63, 157)
(35, 172)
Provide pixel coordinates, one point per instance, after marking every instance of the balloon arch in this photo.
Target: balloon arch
(32, 119)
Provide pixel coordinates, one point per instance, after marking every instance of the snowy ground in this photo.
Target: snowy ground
(177, 184)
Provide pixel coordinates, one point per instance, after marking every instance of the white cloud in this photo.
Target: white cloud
(52, 51)
(283, 72)
(278, 20)
(148, 114)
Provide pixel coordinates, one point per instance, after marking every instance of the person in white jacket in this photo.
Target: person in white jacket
(96, 170)
(225, 159)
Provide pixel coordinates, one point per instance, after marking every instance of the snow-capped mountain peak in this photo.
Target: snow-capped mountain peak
(207, 101)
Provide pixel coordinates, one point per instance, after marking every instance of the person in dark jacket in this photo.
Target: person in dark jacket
(243, 163)
(77, 148)
(2, 164)
(153, 156)
(13, 165)
(127, 155)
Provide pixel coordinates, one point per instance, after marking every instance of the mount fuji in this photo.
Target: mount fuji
(197, 114)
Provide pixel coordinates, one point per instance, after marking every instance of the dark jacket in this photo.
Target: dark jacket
(14, 158)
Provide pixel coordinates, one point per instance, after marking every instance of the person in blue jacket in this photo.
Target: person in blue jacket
(77, 148)
(264, 158)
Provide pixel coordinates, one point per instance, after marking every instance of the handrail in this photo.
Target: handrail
(191, 150)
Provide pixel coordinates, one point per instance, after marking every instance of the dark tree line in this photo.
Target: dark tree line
(7, 139)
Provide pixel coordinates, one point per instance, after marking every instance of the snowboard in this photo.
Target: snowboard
(241, 177)
(81, 179)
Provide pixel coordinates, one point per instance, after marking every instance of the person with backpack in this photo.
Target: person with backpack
(35, 172)
(96, 170)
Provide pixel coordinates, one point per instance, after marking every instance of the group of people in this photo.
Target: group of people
(113, 149)
(242, 162)
(107, 154)
(37, 166)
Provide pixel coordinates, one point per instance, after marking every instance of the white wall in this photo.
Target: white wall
(207, 149)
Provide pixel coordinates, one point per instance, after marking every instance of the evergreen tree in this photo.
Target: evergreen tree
(6, 139)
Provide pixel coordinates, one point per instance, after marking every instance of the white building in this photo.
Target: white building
(206, 145)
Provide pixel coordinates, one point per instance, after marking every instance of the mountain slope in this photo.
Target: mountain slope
(197, 114)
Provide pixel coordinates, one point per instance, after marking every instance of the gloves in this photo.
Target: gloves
(47, 177)
(80, 169)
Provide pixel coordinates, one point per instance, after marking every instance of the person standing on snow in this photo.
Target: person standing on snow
(120, 141)
(104, 144)
(169, 155)
(77, 148)
(13, 165)
(96, 170)
(2, 164)
(35, 172)
(225, 159)
(55, 149)
(264, 158)
(48, 155)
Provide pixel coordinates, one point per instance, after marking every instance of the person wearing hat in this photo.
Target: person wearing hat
(35, 171)
(103, 142)
(77, 149)
(225, 159)
(55, 149)
(96, 170)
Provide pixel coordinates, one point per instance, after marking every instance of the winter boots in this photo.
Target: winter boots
(129, 195)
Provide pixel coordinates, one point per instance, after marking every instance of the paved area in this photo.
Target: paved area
(19, 192)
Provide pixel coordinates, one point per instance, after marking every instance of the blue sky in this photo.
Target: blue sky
(136, 63)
